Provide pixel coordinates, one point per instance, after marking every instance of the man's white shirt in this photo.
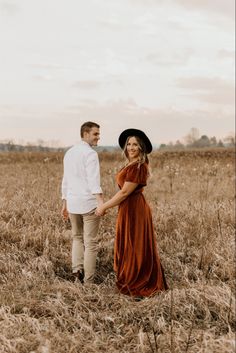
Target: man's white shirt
(81, 178)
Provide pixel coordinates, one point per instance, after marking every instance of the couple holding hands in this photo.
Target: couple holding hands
(136, 261)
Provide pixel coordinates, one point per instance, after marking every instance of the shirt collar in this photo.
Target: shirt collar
(84, 143)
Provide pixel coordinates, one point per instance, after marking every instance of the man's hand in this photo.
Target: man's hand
(64, 211)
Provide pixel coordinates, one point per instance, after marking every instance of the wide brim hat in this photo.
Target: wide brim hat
(135, 132)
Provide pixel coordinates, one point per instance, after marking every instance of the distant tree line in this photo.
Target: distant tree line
(41, 146)
(194, 140)
(12, 147)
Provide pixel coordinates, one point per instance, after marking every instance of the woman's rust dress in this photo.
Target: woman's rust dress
(136, 261)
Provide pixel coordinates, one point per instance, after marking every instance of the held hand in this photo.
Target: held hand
(100, 211)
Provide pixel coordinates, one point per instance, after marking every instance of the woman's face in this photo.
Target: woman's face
(133, 149)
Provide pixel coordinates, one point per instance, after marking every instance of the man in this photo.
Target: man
(81, 194)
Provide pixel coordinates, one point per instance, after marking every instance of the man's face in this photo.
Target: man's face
(92, 136)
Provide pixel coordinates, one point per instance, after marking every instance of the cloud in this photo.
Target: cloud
(220, 7)
(209, 90)
(112, 23)
(32, 122)
(46, 66)
(43, 77)
(173, 58)
(224, 8)
(226, 54)
(147, 2)
(161, 124)
(87, 84)
(9, 7)
(46, 71)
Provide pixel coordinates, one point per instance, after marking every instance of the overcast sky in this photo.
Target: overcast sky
(164, 66)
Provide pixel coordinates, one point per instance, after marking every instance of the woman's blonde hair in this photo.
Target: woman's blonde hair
(142, 150)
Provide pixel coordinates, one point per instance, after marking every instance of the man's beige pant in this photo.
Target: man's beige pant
(84, 244)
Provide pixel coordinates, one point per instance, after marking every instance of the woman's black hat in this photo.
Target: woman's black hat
(135, 132)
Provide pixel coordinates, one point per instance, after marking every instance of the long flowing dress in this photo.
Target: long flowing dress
(136, 261)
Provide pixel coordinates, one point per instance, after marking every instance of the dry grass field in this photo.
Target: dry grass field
(192, 196)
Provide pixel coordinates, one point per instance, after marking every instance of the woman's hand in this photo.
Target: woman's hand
(100, 211)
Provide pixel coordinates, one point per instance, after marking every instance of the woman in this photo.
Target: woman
(136, 261)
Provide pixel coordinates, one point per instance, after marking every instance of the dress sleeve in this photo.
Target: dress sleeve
(137, 174)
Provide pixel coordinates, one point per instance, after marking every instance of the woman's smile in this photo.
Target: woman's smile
(133, 148)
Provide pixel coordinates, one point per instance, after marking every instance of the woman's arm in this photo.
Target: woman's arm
(120, 196)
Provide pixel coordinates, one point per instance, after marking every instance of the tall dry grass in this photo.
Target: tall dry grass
(192, 197)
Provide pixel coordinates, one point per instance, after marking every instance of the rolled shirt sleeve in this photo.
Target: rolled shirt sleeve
(93, 173)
